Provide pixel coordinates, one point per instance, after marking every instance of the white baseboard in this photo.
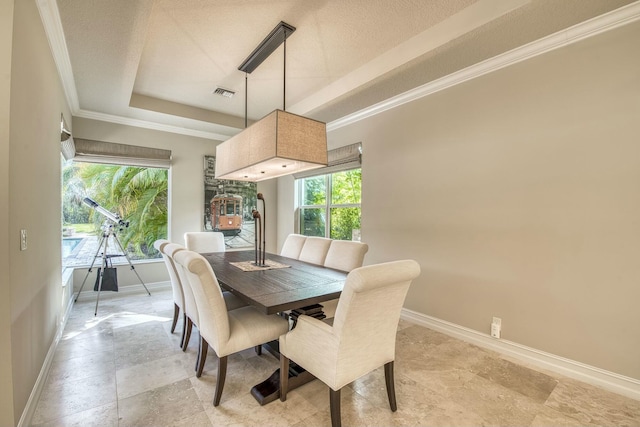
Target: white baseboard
(611, 381)
(36, 391)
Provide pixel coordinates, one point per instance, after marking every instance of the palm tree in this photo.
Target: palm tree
(138, 195)
(73, 191)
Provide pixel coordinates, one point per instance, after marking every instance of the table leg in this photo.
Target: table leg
(269, 390)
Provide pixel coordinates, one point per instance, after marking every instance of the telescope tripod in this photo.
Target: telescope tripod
(107, 231)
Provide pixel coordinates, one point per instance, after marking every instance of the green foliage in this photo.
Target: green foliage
(343, 221)
(346, 187)
(313, 221)
(73, 189)
(315, 190)
(83, 228)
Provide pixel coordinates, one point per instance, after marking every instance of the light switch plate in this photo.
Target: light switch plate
(23, 240)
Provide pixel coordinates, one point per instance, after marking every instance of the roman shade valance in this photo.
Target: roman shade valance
(85, 150)
(338, 159)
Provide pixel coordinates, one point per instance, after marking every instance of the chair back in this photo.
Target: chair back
(212, 310)
(190, 307)
(159, 244)
(367, 316)
(176, 285)
(315, 250)
(345, 255)
(293, 245)
(204, 241)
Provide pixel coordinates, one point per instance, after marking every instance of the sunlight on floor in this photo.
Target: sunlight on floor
(119, 320)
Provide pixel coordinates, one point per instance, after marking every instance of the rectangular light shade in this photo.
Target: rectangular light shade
(279, 144)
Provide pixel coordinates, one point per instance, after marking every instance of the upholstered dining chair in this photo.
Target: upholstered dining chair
(292, 245)
(343, 255)
(227, 332)
(315, 250)
(204, 241)
(363, 335)
(176, 286)
(190, 310)
(192, 317)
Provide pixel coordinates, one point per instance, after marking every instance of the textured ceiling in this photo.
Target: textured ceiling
(158, 61)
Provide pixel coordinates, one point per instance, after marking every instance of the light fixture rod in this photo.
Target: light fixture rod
(284, 77)
(246, 94)
(275, 38)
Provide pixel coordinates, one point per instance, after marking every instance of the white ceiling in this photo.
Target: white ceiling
(155, 63)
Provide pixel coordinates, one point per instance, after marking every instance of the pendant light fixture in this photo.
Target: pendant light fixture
(281, 143)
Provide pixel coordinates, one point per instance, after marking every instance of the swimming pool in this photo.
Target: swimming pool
(69, 244)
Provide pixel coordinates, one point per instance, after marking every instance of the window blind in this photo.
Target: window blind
(85, 150)
(338, 159)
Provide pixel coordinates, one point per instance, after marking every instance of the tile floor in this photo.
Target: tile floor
(123, 367)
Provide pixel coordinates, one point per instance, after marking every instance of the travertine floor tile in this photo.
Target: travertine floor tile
(591, 405)
(125, 368)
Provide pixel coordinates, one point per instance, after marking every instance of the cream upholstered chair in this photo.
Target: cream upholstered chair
(363, 335)
(315, 250)
(190, 308)
(227, 332)
(293, 245)
(343, 255)
(204, 241)
(176, 286)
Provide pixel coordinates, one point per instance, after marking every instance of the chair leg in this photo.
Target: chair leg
(187, 335)
(176, 312)
(222, 373)
(284, 377)
(259, 350)
(334, 403)
(391, 389)
(184, 329)
(202, 356)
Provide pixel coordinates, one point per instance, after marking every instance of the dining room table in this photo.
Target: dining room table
(281, 286)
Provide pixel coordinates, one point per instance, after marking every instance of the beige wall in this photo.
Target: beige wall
(518, 194)
(6, 380)
(286, 209)
(35, 291)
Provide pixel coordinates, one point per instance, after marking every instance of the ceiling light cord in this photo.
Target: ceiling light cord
(246, 94)
(284, 77)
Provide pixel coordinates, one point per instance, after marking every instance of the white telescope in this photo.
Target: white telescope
(110, 215)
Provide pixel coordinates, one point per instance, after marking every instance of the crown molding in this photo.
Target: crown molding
(50, 17)
(127, 121)
(609, 21)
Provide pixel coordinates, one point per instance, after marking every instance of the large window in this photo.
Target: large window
(329, 205)
(137, 194)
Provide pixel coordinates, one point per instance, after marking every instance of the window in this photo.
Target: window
(137, 194)
(329, 205)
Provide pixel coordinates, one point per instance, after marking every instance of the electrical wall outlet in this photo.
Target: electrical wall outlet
(496, 327)
(23, 240)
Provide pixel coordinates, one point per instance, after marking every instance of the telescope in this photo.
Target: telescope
(110, 215)
(110, 281)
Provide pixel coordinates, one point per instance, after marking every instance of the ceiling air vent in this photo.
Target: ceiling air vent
(224, 92)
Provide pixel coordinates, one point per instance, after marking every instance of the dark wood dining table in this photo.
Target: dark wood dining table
(273, 291)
